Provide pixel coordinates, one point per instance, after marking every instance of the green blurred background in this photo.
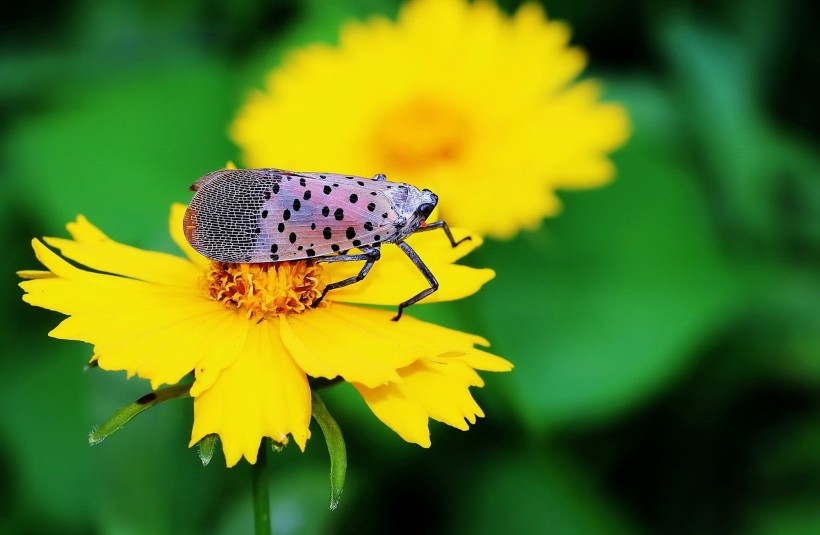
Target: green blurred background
(665, 329)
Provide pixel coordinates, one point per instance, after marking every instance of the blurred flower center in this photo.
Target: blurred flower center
(265, 289)
(421, 133)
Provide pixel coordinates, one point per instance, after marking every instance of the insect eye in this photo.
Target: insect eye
(425, 209)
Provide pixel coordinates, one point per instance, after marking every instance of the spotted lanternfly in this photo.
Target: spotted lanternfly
(273, 215)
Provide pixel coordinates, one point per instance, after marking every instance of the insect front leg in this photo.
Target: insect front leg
(443, 226)
(431, 279)
(369, 254)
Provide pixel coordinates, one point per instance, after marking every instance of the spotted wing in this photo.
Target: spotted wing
(270, 215)
(343, 180)
(335, 213)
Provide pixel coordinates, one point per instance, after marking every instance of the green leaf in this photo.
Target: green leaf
(124, 415)
(799, 516)
(786, 474)
(120, 150)
(719, 98)
(511, 492)
(335, 447)
(43, 405)
(605, 304)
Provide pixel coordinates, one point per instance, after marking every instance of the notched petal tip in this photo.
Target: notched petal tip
(482, 360)
(434, 388)
(83, 231)
(33, 274)
(55, 263)
(261, 393)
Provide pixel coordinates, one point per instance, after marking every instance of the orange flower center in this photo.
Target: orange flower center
(421, 133)
(269, 289)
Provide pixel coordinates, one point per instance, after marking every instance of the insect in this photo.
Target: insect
(273, 215)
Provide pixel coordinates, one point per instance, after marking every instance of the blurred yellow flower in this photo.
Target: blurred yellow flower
(248, 333)
(480, 107)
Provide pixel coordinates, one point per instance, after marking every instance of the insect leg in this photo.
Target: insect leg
(370, 255)
(424, 271)
(379, 177)
(442, 225)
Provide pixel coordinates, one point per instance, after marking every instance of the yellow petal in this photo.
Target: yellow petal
(57, 265)
(95, 292)
(166, 353)
(438, 340)
(94, 249)
(403, 414)
(481, 360)
(159, 336)
(263, 393)
(429, 389)
(34, 274)
(157, 332)
(358, 344)
(223, 348)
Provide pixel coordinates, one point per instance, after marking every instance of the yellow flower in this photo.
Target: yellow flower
(252, 340)
(480, 107)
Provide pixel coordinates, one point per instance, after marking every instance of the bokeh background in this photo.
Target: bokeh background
(665, 328)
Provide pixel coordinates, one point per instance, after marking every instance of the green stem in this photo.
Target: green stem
(261, 500)
(335, 447)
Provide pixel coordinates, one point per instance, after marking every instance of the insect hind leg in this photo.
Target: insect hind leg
(369, 254)
(431, 279)
(443, 226)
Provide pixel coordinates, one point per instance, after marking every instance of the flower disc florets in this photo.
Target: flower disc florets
(265, 290)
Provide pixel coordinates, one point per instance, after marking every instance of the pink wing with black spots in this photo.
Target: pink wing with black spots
(273, 215)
